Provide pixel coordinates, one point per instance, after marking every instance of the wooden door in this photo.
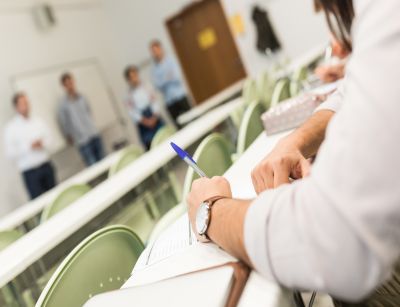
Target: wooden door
(206, 49)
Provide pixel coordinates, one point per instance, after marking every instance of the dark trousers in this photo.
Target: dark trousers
(147, 134)
(177, 108)
(92, 151)
(39, 180)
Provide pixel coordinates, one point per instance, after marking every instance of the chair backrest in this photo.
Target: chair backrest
(298, 77)
(100, 263)
(251, 127)
(266, 85)
(127, 156)
(250, 91)
(64, 199)
(281, 92)
(213, 156)
(9, 237)
(236, 115)
(300, 74)
(162, 135)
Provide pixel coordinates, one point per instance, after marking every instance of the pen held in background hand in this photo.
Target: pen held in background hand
(188, 159)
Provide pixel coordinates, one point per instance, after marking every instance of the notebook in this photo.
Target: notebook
(205, 288)
(176, 252)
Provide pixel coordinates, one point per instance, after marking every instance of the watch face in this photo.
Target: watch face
(202, 218)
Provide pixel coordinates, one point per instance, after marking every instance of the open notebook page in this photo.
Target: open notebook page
(177, 237)
(176, 252)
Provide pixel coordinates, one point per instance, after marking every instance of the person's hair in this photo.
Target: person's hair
(64, 77)
(16, 97)
(155, 43)
(128, 70)
(343, 13)
(317, 6)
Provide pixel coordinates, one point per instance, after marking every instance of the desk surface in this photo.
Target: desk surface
(210, 103)
(239, 176)
(45, 237)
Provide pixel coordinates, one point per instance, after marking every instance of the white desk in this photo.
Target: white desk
(258, 292)
(211, 103)
(34, 207)
(35, 244)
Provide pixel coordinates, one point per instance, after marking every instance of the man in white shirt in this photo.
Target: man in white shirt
(337, 230)
(142, 107)
(26, 142)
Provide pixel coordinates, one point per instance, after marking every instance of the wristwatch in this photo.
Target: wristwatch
(203, 218)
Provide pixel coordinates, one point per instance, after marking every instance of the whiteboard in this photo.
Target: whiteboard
(44, 92)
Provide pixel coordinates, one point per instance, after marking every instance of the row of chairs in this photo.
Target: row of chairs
(213, 155)
(143, 215)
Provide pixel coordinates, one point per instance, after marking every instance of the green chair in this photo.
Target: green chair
(63, 200)
(161, 136)
(236, 116)
(127, 156)
(300, 74)
(137, 217)
(169, 218)
(10, 291)
(100, 263)
(213, 156)
(266, 85)
(298, 78)
(9, 237)
(144, 213)
(250, 91)
(250, 128)
(281, 92)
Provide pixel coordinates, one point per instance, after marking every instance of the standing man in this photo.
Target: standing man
(26, 142)
(167, 79)
(142, 107)
(76, 122)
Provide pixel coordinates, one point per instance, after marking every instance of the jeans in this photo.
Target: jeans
(92, 151)
(39, 180)
(177, 108)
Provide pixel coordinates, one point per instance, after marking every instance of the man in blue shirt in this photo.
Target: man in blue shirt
(167, 79)
(77, 124)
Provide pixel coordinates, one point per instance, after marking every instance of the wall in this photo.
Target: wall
(82, 32)
(117, 32)
(134, 23)
(297, 26)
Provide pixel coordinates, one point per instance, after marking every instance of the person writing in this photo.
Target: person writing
(336, 229)
(142, 107)
(77, 124)
(167, 79)
(27, 142)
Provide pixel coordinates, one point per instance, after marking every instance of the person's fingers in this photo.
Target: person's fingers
(256, 180)
(305, 167)
(267, 177)
(281, 174)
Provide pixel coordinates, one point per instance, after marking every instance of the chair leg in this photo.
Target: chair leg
(176, 186)
(151, 205)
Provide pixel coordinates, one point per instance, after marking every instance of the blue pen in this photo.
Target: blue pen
(188, 159)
